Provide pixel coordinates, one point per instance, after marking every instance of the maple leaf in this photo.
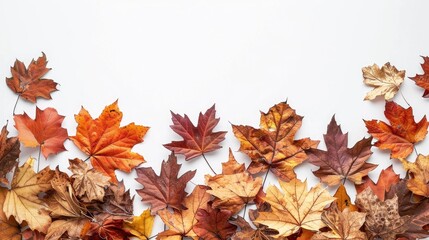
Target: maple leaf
(423, 80)
(385, 80)
(386, 179)
(419, 181)
(343, 200)
(107, 144)
(272, 147)
(382, 219)
(44, 131)
(105, 227)
(247, 232)
(117, 201)
(73, 227)
(165, 190)
(32, 235)
(196, 140)
(339, 162)
(344, 224)
(8, 226)
(22, 199)
(9, 153)
(295, 208)
(28, 83)
(213, 224)
(232, 166)
(181, 222)
(402, 133)
(88, 182)
(140, 226)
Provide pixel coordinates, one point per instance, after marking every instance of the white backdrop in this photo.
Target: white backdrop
(245, 56)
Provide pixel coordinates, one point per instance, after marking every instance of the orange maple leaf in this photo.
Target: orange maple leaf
(387, 178)
(402, 133)
(423, 80)
(28, 83)
(44, 131)
(107, 144)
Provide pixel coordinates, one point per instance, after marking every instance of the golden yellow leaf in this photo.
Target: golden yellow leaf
(419, 181)
(141, 226)
(385, 80)
(343, 200)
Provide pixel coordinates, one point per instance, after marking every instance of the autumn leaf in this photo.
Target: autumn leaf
(339, 163)
(88, 182)
(44, 131)
(402, 133)
(342, 200)
(107, 144)
(344, 224)
(105, 227)
(141, 226)
(423, 80)
(385, 80)
(22, 199)
(295, 207)
(165, 190)
(33, 235)
(247, 232)
(181, 222)
(9, 228)
(196, 140)
(117, 201)
(232, 166)
(382, 219)
(419, 181)
(386, 179)
(213, 224)
(28, 83)
(272, 146)
(72, 226)
(9, 153)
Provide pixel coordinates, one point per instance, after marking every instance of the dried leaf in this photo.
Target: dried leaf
(141, 226)
(385, 80)
(246, 232)
(339, 162)
(44, 131)
(272, 147)
(107, 144)
(9, 153)
(196, 140)
(386, 179)
(213, 224)
(28, 83)
(232, 166)
(343, 200)
(72, 226)
(419, 182)
(423, 80)
(9, 228)
(105, 228)
(402, 133)
(118, 202)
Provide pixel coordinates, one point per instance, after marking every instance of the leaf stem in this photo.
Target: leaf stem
(16, 103)
(265, 178)
(404, 98)
(415, 149)
(208, 164)
(38, 159)
(245, 208)
(87, 159)
(148, 238)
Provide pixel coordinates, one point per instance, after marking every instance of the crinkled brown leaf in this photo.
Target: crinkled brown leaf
(386, 179)
(423, 80)
(419, 181)
(9, 153)
(272, 146)
(213, 224)
(117, 201)
(339, 162)
(385, 80)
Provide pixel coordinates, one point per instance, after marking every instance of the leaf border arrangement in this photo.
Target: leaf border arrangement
(92, 204)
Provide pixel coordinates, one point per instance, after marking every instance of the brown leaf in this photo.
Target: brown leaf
(9, 228)
(382, 219)
(385, 80)
(105, 228)
(246, 231)
(419, 181)
(386, 179)
(118, 202)
(164, 190)
(213, 224)
(232, 166)
(339, 162)
(272, 146)
(44, 131)
(343, 200)
(73, 227)
(9, 153)
(423, 80)
(28, 83)
(402, 133)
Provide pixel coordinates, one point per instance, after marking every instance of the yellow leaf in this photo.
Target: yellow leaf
(386, 81)
(419, 182)
(141, 226)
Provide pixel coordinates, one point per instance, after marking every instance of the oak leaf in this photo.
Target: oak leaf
(344, 224)
(294, 208)
(28, 83)
(9, 228)
(88, 182)
(140, 226)
(339, 163)
(423, 80)
(382, 219)
(213, 224)
(385, 80)
(22, 199)
(196, 140)
(9, 153)
(402, 133)
(107, 144)
(44, 131)
(117, 201)
(272, 146)
(342, 200)
(419, 181)
(386, 179)
(180, 223)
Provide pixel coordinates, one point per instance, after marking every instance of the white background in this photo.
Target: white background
(245, 56)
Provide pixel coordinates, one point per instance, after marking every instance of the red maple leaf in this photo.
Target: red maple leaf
(423, 80)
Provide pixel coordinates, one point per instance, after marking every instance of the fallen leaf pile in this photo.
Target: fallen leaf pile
(88, 202)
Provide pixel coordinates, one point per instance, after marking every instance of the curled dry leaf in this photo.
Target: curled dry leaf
(294, 208)
(117, 201)
(339, 163)
(386, 179)
(196, 140)
(423, 80)
(164, 190)
(44, 131)
(402, 133)
(28, 83)
(213, 224)
(385, 80)
(140, 226)
(419, 181)
(272, 146)
(107, 144)
(9, 153)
